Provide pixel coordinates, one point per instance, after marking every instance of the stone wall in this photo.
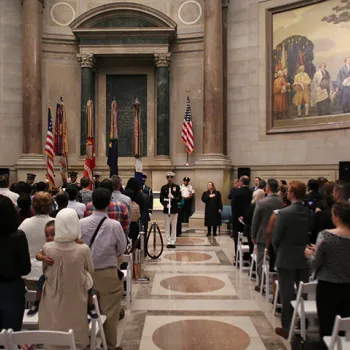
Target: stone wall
(297, 155)
(10, 82)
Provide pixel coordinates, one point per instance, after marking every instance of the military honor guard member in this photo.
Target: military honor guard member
(97, 180)
(187, 192)
(170, 196)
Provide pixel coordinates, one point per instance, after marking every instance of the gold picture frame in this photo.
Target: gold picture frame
(305, 34)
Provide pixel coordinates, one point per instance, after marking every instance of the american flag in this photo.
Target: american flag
(187, 129)
(49, 151)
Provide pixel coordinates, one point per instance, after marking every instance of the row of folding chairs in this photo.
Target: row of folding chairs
(14, 340)
(304, 305)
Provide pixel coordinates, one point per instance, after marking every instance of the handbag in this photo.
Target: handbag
(120, 274)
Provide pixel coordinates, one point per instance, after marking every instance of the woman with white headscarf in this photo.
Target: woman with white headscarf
(65, 293)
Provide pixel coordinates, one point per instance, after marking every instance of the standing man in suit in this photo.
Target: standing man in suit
(290, 237)
(261, 217)
(170, 195)
(240, 200)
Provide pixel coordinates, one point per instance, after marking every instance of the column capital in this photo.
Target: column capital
(162, 59)
(86, 60)
(42, 2)
(225, 3)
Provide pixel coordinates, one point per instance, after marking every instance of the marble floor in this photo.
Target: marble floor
(197, 300)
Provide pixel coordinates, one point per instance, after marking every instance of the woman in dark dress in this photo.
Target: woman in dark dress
(133, 191)
(213, 208)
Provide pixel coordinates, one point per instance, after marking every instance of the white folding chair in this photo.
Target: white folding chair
(96, 327)
(303, 309)
(241, 249)
(253, 264)
(128, 272)
(30, 323)
(265, 276)
(43, 338)
(5, 340)
(335, 341)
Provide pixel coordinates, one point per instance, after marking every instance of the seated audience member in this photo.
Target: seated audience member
(289, 238)
(133, 191)
(282, 183)
(321, 182)
(261, 218)
(85, 193)
(23, 188)
(40, 256)
(115, 211)
(118, 193)
(313, 198)
(24, 204)
(14, 263)
(73, 203)
(107, 242)
(262, 185)
(240, 198)
(64, 297)
(34, 229)
(258, 195)
(62, 200)
(331, 264)
(4, 189)
(283, 194)
(323, 218)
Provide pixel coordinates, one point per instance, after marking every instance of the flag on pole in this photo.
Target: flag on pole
(137, 142)
(90, 160)
(187, 129)
(137, 138)
(112, 160)
(49, 151)
(61, 139)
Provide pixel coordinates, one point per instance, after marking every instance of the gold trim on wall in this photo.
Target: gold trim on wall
(302, 124)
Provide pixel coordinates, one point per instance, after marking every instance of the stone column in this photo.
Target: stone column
(31, 77)
(162, 81)
(213, 79)
(86, 63)
(224, 67)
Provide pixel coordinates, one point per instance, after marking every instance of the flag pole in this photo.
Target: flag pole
(187, 155)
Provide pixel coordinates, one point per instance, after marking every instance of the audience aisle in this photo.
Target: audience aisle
(196, 299)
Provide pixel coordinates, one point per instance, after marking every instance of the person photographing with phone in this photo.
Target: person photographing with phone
(170, 196)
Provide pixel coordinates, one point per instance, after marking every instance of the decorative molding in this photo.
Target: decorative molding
(199, 14)
(162, 59)
(86, 60)
(99, 13)
(61, 24)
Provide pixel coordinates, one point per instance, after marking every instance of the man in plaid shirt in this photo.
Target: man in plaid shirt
(116, 210)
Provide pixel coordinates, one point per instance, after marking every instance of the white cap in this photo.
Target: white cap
(170, 173)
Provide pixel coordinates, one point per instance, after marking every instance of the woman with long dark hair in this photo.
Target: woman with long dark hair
(14, 263)
(25, 207)
(133, 191)
(213, 208)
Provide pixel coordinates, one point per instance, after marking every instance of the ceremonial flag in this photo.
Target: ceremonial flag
(61, 139)
(112, 160)
(90, 160)
(187, 129)
(49, 151)
(137, 139)
(137, 142)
